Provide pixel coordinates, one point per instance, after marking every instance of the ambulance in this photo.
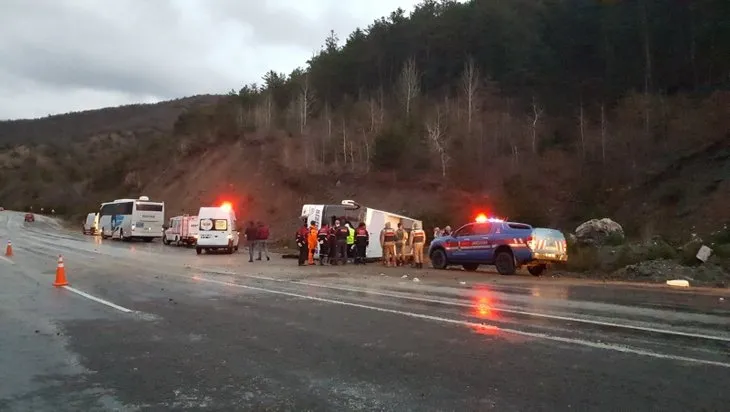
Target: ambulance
(217, 229)
(181, 230)
(349, 210)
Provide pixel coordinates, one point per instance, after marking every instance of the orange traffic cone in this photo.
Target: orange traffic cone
(60, 274)
(9, 249)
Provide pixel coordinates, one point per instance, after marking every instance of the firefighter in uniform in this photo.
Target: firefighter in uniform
(362, 240)
(341, 234)
(301, 239)
(312, 241)
(417, 241)
(387, 239)
(324, 243)
(401, 239)
(333, 243)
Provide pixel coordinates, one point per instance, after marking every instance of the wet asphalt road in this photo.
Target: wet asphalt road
(218, 333)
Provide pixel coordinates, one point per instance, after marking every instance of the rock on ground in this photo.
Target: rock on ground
(596, 231)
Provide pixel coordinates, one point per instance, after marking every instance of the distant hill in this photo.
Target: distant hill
(74, 126)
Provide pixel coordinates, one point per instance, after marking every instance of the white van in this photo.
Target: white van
(217, 229)
(349, 210)
(181, 230)
(91, 224)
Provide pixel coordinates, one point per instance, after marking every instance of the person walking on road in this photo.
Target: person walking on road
(312, 241)
(417, 241)
(341, 234)
(301, 239)
(401, 239)
(262, 238)
(324, 243)
(251, 237)
(362, 240)
(387, 239)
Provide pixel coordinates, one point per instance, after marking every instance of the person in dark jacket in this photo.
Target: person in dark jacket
(262, 237)
(324, 243)
(333, 243)
(362, 240)
(301, 239)
(341, 234)
(251, 237)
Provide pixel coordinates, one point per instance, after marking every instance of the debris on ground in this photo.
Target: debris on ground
(661, 270)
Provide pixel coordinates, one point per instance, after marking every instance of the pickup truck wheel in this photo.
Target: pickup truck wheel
(438, 259)
(470, 267)
(505, 263)
(537, 270)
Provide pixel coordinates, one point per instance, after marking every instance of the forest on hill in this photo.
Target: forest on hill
(549, 111)
(558, 109)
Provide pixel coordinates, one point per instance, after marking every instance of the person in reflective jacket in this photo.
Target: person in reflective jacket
(387, 239)
(417, 241)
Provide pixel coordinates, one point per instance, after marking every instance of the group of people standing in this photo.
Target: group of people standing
(337, 242)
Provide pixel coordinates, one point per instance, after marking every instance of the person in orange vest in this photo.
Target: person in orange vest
(312, 241)
(301, 239)
(362, 240)
(417, 241)
(324, 243)
(387, 239)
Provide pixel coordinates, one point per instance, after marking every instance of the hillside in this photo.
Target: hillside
(551, 111)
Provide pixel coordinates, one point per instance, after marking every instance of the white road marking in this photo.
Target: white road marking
(493, 308)
(3, 258)
(95, 299)
(596, 345)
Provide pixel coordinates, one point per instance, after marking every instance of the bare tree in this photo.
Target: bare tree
(438, 137)
(326, 142)
(536, 114)
(644, 21)
(581, 125)
(306, 98)
(409, 84)
(470, 86)
(344, 141)
(366, 141)
(375, 114)
(603, 133)
(269, 108)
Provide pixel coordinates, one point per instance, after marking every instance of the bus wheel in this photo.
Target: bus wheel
(198, 250)
(149, 239)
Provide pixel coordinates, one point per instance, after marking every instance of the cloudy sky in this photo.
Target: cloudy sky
(58, 56)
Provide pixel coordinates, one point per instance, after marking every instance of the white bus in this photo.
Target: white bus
(132, 219)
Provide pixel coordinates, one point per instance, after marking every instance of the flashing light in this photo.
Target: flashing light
(482, 218)
(226, 206)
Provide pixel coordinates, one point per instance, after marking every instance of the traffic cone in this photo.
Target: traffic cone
(9, 249)
(60, 274)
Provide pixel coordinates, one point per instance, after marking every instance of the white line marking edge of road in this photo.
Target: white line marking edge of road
(3, 258)
(95, 299)
(494, 308)
(581, 342)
